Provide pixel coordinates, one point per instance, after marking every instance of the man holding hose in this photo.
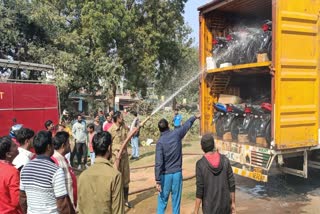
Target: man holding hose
(119, 133)
(121, 138)
(168, 167)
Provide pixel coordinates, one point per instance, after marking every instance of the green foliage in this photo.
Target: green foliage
(158, 44)
(150, 130)
(94, 44)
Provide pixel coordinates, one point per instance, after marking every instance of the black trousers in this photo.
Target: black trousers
(81, 149)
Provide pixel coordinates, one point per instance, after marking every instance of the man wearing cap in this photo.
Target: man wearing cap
(119, 133)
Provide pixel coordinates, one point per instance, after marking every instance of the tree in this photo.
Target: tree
(94, 44)
(82, 51)
(155, 43)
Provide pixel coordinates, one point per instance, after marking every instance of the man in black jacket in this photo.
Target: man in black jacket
(215, 181)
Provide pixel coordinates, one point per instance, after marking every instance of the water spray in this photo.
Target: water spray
(136, 129)
(175, 94)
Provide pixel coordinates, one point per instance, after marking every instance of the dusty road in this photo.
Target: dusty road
(282, 194)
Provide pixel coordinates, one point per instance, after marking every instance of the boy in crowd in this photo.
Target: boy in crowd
(214, 180)
(177, 120)
(49, 126)
(91, 133)
(24, 137)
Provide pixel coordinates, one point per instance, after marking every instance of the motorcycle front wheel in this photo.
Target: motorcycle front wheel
(251, 52)
(219, 127)
(252, 132)
(269, 50)
(268, 133)
(235, 124)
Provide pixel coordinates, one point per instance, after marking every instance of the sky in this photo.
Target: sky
(191, 17)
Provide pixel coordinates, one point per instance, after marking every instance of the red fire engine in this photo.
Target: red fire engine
(27, 102)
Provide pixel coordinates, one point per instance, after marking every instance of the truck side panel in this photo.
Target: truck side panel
(6, 113)
(30, 104)
(296, 73)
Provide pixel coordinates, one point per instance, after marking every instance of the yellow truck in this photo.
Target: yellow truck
(290, 75)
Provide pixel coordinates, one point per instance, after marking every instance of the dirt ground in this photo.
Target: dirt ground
(282, 194)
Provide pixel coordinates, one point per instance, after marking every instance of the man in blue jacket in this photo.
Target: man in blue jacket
(177, 120)
(168, 165)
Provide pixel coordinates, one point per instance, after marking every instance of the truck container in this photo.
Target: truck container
(289, 76)
(27, 102)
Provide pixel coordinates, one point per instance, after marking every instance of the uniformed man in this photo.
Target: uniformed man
(100, 187)
(119, 133)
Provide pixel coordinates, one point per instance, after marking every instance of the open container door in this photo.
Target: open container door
(206, 99)
(296, 48)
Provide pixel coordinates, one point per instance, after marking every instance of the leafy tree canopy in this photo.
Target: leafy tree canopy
(94, 43)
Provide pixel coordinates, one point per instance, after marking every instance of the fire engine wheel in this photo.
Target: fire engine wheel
(219, 127)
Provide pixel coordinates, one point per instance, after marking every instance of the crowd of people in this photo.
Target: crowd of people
(36, 169)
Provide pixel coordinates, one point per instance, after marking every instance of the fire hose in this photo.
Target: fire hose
(142, 167)
(149, 166)
(153, 187)
(124, 145)
(152, 165)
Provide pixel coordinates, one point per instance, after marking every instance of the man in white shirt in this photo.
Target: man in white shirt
(25, 137)
(80, 135)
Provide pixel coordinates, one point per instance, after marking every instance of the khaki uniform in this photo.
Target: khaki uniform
(119, 134)
(100, 189)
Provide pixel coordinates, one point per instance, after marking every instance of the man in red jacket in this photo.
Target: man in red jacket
(9, 178)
